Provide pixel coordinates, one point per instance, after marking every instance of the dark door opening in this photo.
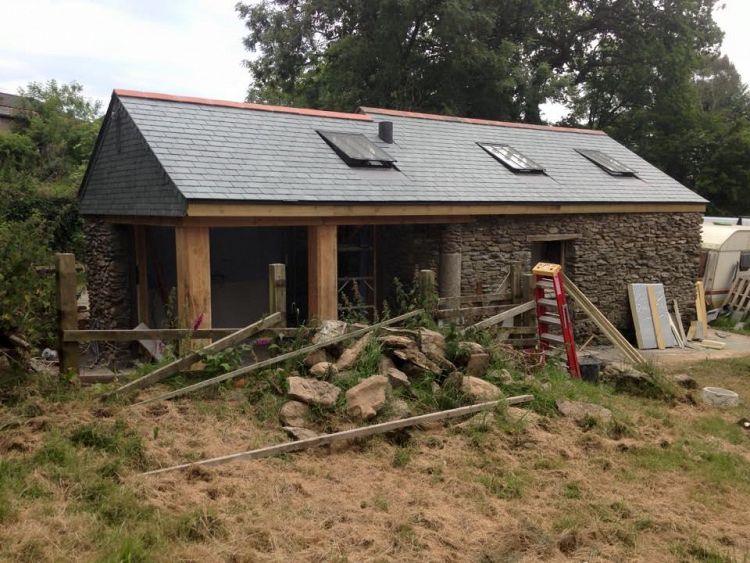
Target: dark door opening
(357, 288)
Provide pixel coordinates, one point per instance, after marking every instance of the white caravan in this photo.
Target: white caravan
(725, 250)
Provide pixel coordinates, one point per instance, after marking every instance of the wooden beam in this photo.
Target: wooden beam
(131, 335)
(355, 433)
(193, 253)
(283, 357)
(551, 237)
(271, 221)
(504, 316)
(392, 210)
(184, 363)
(277, 290)
(322, 272)
(67, 311)
(141, 266)
(607, 328)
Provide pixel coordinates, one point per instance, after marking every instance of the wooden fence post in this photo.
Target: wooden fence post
(427, 290)
(67, 311)
(516, 288)
(277, 290)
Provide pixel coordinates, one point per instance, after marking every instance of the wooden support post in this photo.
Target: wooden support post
(528, 281)
(277, 290)
(192, 246)
(427, 291)
(67, 311)
(322, 272)
(516, 290)
(141, 266)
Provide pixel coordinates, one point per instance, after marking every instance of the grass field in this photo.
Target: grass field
(663, 481)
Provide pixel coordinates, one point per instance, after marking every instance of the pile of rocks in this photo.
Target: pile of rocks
(407, 354)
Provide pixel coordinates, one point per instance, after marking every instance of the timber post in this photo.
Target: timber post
(277, 290)
(193, 251)
(67, 312)
(427, 290)
(322, 272)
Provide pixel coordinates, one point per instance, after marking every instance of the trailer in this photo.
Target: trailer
(725, 251)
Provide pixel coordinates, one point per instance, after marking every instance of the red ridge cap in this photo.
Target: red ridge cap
(241, 105)
(476, 121)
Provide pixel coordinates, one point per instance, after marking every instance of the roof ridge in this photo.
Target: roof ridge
(240, 105)
(477, 121)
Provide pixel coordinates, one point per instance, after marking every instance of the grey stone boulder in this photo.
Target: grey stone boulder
(350, 355)
(480, 390)
(296, 433)
(579, 411)
(396, 377)
(412, 360)
(318, 356)
(313, 391)
(294, 413)
(432, 344)
(478, 364)
(685, 381)
(365, 399)
(328, 330)
(399, 409)
(323, 369)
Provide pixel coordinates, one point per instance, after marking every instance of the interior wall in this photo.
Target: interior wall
(162, 276)
(239, 271)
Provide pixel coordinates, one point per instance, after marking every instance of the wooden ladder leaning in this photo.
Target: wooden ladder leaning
(552, 311)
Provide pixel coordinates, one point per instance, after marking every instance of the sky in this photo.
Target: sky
(184, 47)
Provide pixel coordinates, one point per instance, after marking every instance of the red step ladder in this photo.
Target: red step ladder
(552, 314)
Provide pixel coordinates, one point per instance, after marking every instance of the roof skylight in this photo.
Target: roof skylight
(607, 163)
(356, 150)
(512, 158)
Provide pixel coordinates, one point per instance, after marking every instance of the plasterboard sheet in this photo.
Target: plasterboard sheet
(643, 317)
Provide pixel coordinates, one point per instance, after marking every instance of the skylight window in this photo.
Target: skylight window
(356, 150)
(607, 163)
(512, 158)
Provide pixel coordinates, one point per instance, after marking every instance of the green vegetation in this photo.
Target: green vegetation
(41, 166)
(648, 73)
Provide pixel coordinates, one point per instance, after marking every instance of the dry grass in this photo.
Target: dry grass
(660, 483)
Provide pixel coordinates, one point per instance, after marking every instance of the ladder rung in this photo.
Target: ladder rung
(546, 284)
(552, 337)
(549, 319)
(548, 302)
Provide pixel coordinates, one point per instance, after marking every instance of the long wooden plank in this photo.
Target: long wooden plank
(654, 307)
(363, 432)
(504, 316)
(607, 328)
(130, 335)
(279, 359)
(700, 303)
(185, 362)
(678, 318)
(67, 311)
(385, 210)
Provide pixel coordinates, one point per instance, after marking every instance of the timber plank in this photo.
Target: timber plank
(185, 362)
(362, 432)
(282, 358)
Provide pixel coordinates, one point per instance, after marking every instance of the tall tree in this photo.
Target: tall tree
(646, 71)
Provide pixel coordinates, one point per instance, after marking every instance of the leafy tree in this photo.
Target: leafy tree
(485, 58)
(41, 164)
(646, 71)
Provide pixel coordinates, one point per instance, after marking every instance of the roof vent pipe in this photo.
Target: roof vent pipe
(385, 131)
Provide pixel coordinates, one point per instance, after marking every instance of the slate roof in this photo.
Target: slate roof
(222, 151)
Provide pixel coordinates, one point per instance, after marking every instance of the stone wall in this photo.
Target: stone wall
(110, 280)
(612, 251)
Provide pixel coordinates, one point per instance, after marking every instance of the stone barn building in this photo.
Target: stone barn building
(188, 200)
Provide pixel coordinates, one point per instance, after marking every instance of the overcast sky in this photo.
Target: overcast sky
(189, 47)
